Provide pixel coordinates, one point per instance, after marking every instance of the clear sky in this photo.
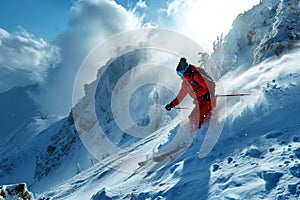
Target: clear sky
(43, 18)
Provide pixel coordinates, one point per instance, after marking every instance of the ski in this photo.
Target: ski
(163, 156)
(143, 163)
(168, 154)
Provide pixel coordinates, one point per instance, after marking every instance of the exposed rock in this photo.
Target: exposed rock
(16, 191)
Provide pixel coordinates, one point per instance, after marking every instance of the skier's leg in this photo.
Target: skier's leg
(206, 108)
(205, 111)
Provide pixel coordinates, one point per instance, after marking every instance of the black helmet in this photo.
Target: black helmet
(182, 66)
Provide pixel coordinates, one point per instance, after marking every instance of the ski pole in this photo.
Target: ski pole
(183, 108)
(219, 95)
(234, 95)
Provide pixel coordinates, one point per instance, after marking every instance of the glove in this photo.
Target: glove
(169, 107)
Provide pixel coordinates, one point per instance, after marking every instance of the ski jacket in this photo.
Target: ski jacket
(194, 84)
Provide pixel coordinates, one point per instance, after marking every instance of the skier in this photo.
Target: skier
(199, 85)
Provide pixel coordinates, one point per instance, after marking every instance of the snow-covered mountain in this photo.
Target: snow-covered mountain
(21, 117)
(270, 28)
(44, 156)
(18, 107)
(257, 156)
(43, 161)
(21, 123)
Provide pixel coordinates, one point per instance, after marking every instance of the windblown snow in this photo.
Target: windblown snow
(256, 157)
(257, 154)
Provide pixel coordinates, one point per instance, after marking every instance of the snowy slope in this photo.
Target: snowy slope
(42, 162)
(265, 165)
(269, 28)
(256, 156)
(45, 156)
(40, 159)
(21, 118)
(21, 123)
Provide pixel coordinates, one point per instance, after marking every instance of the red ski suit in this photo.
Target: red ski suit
(194, 85)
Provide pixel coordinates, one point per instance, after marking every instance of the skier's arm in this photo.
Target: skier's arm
(180, 96)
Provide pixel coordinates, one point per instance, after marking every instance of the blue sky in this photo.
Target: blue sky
(43, 18)
(57, 35)
(48, 18)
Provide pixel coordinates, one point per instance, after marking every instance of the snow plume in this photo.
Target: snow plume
(24, 59)
(131, 90)
(141, 101)
(271, 82)
(90, 23)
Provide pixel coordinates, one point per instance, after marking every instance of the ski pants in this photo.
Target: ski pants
(201, 112)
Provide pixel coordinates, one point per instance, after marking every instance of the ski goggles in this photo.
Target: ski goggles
(180, 73)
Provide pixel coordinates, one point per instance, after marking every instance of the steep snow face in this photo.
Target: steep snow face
(273, 83)
(257, 156)
(42, 162)
(264, 132)
(269, 28)
(284, 34)
(21, 118)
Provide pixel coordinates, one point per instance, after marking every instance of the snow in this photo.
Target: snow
(256, 156)
(269, 28)
(43, 161)
(21, 119)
